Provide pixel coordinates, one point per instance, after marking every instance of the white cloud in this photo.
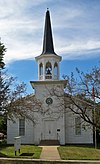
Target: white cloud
(81, 49)
(81, 46)
(21, 29)
(28, 51)
(74, 50)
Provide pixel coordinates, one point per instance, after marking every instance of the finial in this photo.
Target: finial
(47, 8)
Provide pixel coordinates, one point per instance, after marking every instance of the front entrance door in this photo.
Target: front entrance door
(50, 131)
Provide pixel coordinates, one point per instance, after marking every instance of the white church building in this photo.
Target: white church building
(53, 124)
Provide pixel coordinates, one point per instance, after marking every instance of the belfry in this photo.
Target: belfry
(48, 61)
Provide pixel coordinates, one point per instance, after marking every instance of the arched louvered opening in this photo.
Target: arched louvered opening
(56, 71)
(48, 71)
(41, 70)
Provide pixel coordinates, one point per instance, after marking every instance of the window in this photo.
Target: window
(48, 68)
(78, 126)
(48, 71)
(22, 127)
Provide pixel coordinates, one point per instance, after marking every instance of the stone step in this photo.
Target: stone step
(49, 143)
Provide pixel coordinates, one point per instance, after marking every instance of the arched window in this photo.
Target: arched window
(55, 69)
(41, 69)
(48, 69)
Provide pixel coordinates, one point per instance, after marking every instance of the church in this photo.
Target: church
(53, 123)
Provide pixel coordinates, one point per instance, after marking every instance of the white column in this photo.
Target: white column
(58, 72)
(38, 71)
(43, 70)
(53, 71)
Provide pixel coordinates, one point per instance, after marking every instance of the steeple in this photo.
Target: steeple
(48, 47)
(48, 61)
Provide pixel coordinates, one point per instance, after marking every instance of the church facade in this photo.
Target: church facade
(53, 123)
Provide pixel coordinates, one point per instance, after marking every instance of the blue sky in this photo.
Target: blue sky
(76, 34)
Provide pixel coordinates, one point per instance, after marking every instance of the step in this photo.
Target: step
(49, 143)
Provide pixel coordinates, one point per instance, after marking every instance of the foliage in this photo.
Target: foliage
(83, 94)
(14, 102)
(24, 107)
(84, 84)
(3, 127)
(9, 90)
(3, 143)
(2, 53)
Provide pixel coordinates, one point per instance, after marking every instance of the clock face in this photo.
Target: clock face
(49, 100)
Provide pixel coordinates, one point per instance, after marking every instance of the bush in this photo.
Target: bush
(3, 142)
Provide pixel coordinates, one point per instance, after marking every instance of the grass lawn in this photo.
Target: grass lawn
(27, 151)
(79, 152)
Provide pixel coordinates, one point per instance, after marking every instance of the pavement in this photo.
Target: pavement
(38, 161)
(50, 153)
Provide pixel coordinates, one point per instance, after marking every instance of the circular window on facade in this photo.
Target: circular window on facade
(49, 100)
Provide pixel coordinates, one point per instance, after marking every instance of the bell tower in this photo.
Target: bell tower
(48, 61)
(51, 123)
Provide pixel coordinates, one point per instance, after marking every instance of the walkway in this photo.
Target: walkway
(50, 153)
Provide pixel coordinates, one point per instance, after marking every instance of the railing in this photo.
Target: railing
(48, 76)
(55, 77)
(41, 77)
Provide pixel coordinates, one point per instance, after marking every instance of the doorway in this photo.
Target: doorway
(50, 130)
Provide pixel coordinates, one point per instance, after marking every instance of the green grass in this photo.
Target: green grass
(66, 152)
(79, 153)
(8, 150)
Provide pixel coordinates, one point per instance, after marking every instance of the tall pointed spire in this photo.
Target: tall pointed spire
(48, 47)
(48, 61)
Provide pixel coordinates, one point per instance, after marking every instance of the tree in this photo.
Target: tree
(2, 64)
(14, 102)
(3, 126)
(2, 53)
(83, 94)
